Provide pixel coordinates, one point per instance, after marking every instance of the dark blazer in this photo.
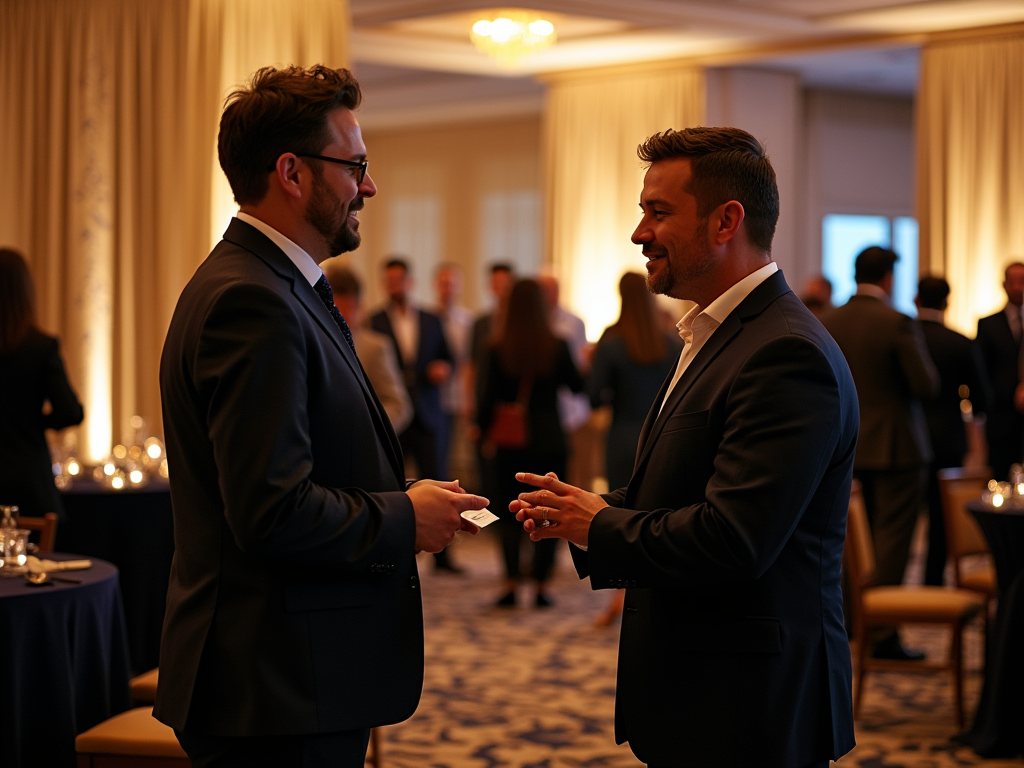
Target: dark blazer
(32, 375)
(729, 539)
(893, 373)
(959, 364)
(1005, 424)
(294, 603)
(426, 396)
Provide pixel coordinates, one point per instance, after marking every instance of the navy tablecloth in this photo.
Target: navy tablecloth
(998, 728)
(63, 664)
(134, 530)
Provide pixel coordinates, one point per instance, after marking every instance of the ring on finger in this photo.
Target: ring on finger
(544, 515)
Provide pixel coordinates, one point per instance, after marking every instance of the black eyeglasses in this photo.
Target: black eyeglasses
(360, 164)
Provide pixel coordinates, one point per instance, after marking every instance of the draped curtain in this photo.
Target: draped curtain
(108, 119)
(970, 169)
(591, 131)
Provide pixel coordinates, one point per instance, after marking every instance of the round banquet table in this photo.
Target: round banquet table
(998, 728)
(63, 663)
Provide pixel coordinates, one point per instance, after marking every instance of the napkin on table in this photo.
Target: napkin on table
(35, 565)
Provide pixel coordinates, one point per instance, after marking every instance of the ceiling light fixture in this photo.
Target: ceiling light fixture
(512, 35)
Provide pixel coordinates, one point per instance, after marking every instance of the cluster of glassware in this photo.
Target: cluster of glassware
(127, 466)
(13, 543)
(1008, 495)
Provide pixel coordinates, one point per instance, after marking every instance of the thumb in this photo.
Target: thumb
(470, 501)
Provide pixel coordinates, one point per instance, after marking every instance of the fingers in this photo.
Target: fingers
(470, 527)
(549, 481)
(542, 498)
(466, 501)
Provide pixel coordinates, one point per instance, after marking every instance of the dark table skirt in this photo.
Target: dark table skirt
(63, 664)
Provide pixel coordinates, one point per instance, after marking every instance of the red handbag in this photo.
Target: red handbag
(509, 427)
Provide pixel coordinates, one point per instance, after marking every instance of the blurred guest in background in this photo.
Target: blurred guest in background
(631, 361)
(526, 364)
(457, 323)
(486, 326)
(34, 395)
(375, 352)
(999, 339)
(961, 377)
(426, 363)
(893, 373)
(817, 295)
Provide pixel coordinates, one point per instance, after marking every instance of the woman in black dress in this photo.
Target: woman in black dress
(526, 363)
(34, 395)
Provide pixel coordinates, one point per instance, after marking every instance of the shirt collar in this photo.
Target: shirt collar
(934, 315)
(720, 308)
(874, 291)
(302, 260)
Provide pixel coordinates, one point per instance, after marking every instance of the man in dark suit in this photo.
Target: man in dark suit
(961, 378)
(426, 363)
(294, 621)
(894, 373)
(730, 533)
(999, 339)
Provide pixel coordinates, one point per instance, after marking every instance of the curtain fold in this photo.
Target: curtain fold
(970, 169)
(109, 112)
(592, 127)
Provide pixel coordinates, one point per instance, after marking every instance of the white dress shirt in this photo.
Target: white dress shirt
(697, 325)
(405, 323)
(309, 268)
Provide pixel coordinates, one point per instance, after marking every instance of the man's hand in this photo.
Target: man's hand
(438, 506)
(557, 510)
(438, 371)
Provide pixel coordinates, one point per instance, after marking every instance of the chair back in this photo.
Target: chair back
(859, 552)
(47, 527)
(957, 486)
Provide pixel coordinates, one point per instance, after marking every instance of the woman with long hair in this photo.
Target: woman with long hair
(525, 365)
(631, 361)
(34, 394)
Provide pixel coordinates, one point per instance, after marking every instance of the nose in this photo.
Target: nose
(642, 233)
(367, 188)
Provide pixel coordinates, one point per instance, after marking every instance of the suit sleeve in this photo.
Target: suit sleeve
(981, 392)
(783, 424)
(918, 368)
(568, 373)
(66, 409)
(250, 368)
(600, 384)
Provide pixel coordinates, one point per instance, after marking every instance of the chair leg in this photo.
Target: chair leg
(956, 650)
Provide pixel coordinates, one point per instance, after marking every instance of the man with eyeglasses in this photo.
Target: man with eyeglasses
(294, 621)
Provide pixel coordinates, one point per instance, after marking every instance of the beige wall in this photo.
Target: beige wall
(467, 193)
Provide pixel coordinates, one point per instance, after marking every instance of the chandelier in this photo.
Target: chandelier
(512, 35)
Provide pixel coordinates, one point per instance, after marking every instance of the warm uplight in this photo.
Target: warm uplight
(135, 476)
(109, 468)
(117, 483)
(512, 35)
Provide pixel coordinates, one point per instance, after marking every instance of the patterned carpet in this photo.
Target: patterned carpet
(528, 688)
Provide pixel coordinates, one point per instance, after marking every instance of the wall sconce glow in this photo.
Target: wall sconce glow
(511, 36)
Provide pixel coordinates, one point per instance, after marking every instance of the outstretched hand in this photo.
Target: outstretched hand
(557, 510)
(438, 506)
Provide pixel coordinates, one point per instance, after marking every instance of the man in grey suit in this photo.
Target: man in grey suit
(893, 373)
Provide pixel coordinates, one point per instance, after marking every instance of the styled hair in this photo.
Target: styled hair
(501, 266)
(17, 300)
(343, 281)
(725, 164)
(873, 264)
(1011, 265)
(932, 292)
(526, 345)
(281, 110)
(638, 322)
(397, 261)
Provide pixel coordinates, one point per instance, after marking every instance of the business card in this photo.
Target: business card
(481, 518)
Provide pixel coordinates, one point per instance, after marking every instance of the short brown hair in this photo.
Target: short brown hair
(725, 164)
(17, 300)
(281, 110)
(343, 281)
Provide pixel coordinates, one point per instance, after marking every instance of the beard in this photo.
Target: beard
(696, 262)
(328, 216)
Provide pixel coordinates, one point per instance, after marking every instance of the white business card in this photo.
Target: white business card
(481, 518)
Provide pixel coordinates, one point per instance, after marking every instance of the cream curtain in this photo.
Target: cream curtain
(592, 128)
(970, 169)
(108, 118)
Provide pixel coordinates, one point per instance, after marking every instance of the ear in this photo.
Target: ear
(286, 174)
(727, 218)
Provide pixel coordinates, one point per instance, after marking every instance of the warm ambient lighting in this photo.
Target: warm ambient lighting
(511, 36)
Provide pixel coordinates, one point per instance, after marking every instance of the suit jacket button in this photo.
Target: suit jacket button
(414, 582)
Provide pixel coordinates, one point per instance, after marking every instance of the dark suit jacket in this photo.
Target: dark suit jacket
(1005, 425)
(729, 538)
(959, 364)
(294, 603)
(893, 373)
(426, 397)
(32, 375)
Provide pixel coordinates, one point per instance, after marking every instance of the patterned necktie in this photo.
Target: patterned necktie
(323, 290)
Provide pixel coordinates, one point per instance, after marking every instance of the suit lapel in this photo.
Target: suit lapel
(253, 240)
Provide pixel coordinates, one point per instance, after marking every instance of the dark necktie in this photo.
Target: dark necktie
(323, 290)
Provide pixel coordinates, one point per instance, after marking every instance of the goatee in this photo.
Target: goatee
(322, 214)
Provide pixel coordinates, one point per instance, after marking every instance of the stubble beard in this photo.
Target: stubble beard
(323, 212)
(697, 262)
